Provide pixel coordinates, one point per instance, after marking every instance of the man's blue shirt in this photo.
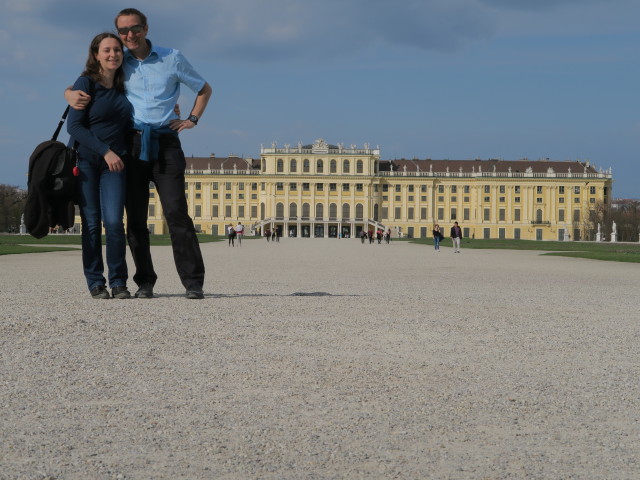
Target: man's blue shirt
(153, 84)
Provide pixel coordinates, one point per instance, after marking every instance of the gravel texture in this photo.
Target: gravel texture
(324, 359)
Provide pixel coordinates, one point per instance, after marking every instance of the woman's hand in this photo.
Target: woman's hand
(114, 162)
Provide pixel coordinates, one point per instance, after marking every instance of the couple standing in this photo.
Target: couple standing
(124, 123)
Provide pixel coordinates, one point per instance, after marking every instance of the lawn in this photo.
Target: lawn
(11, 244)
(614, 252)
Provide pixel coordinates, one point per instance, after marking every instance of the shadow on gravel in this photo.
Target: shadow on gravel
(242, 295)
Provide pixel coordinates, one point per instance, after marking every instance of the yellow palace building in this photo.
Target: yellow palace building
(323, 190)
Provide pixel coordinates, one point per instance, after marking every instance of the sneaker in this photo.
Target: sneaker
(120, 292)
(194, 294)
(145, 291)
(100, 292)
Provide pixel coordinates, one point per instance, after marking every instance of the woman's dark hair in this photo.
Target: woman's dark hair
(92, 67)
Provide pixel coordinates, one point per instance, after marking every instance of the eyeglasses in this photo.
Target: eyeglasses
(135, 29)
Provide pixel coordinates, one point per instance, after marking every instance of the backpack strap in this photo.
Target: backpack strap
(64, 117)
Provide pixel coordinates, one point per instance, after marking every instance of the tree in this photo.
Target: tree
(12, 202)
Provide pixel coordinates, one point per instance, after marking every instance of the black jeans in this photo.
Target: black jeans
(167, 173)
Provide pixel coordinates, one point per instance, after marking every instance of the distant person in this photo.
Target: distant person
(388, 236)
(456, 236)
(102, 131)
(437, 237)
(267, 234)
(239, 228)
(363, 235)
(231, 235)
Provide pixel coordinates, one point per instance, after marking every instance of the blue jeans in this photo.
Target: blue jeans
(101, 199)
(436, 243)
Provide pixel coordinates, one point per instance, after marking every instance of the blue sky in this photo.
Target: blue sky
(457, 79)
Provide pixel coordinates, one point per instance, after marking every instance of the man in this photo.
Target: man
(456, 236)
(239, 229)
(152, 78)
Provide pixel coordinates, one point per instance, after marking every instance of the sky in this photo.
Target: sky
(440, 79)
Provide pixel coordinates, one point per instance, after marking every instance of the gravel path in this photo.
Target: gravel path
(324, 359)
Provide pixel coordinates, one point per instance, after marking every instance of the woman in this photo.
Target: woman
(437, 236)
(101, 132)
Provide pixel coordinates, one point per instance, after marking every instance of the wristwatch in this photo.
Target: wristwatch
(194, 119)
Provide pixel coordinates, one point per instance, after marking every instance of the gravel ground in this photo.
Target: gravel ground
(324, 359)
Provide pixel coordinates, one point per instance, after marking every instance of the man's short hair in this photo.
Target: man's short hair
(131, 11)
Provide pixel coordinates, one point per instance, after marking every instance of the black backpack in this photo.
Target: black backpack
(51, 186)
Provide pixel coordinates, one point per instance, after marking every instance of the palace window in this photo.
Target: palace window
(592, 190)
(561, 200)
(319, 166)
(319, 211)
(241, 186)
(280, 210)
(227, 186)
(214, 211)
(279, 186)
(503, 189)
(333, 167)
(440, 213)
(423, 188)
(501, 215)
(293, 165)
(319, 187)
(306, 165)
(227, 196)
(333, 187)
(398, 188)
(241, 211)
(423, 198)
(198, 186)
(454, 189)
(561, 190)
(359, 211)
(398, 198)
(254, 187)
(516, 215)
(280, 166)
(576, 200)
(539, 189)
(516, 189)
(305, 187)
(410, 213)
(152, 210)
(345, 187)
(254, 211)
(487, 214)
(487, 199)
(576, 215)
(293, 186)
(359, 187)
(454, 214)
(397, 213)
(423, 213)
(465, 199)
(440, 188)
(385, 188)
(333, 211)
(561, 215)
(359, 167)
(410, 187)
(454, 199)
(487, 189)
(306, 210)
(227, 211)
(345, 166)
(346, 211)
(465, 213)
(576, 190)
(198, 196)
(516, 199)
(467, 189)
(293, 210)
(410, 198)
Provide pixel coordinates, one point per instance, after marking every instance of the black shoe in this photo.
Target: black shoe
(145, 291)
(120, 292)
(194, 294)
(100, 292)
